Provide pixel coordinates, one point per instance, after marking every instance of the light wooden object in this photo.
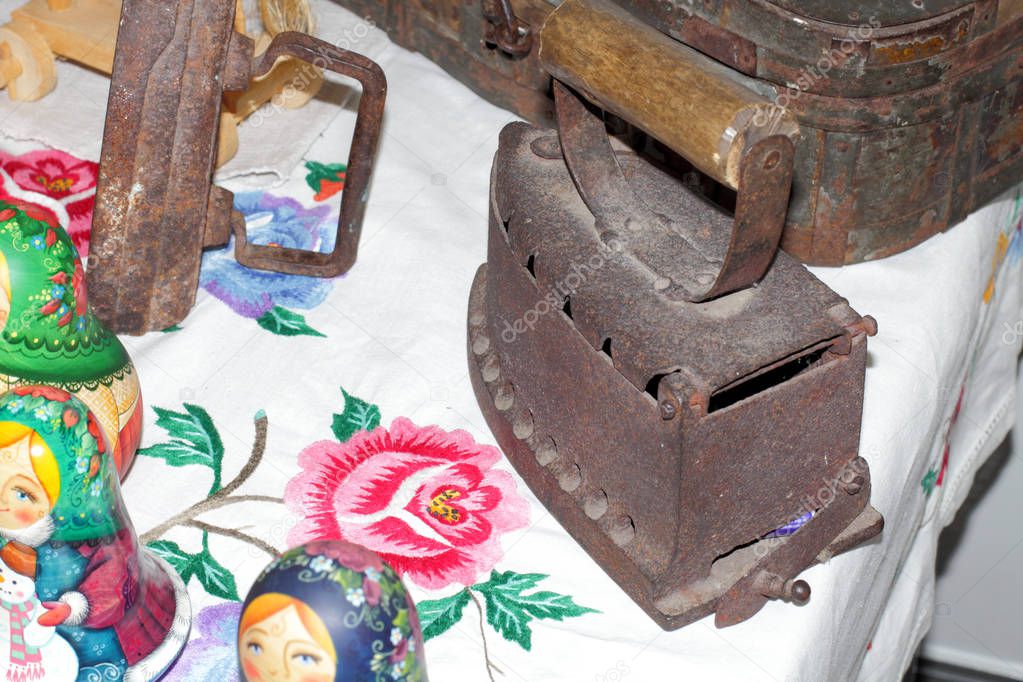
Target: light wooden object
(689, 102)
(27, 64)
(290, 84)
(85, 31)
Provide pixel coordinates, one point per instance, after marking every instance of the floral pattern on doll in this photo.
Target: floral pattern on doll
(49, 334)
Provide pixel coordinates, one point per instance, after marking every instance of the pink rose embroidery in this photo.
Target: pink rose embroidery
(63, 183)
(425, 499)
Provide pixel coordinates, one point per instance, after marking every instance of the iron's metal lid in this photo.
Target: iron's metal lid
(613, 299)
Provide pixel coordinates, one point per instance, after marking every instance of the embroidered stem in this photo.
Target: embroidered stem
(232, 533)
(223, 497)
(483, 635)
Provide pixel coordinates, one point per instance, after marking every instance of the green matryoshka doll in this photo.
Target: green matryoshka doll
(89, 603)
(50, 336)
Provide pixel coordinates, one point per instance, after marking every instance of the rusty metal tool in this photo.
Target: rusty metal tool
(682, 396)
(156, 205)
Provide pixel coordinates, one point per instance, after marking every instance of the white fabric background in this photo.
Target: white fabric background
(396, 337)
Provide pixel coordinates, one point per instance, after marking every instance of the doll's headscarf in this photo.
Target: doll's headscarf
(75, 462)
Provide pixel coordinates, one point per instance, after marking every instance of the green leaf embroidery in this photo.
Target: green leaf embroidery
(194, 440)
(326, 179)
(508, 609)
(929, 481)
(172, 328)
(180, 560)
(436, 616)
(358, 415)
(214, 578)
(285, 322)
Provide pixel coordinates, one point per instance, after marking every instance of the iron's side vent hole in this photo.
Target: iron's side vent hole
(651, 386)
(607, 347)
(506, 223)
(567, 308)
(530, 265)
(742, 390)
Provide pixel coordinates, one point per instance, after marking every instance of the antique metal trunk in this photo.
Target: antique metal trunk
(700, 445)
(910, 111)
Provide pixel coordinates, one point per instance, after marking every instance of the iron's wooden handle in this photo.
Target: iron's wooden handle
(699, 108)
(360, 160)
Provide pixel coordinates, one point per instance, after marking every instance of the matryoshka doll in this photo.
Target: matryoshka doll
(81, 574)
(49, 334)
(330, 611)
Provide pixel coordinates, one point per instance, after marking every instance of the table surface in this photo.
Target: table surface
(384, 347)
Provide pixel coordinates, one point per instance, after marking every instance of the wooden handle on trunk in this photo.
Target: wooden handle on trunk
(698, 107)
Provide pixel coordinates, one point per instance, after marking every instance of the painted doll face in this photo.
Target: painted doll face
(280, 648)
(23, 500)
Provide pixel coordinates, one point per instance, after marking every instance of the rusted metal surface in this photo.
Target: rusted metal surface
(505, 30)
(683, 269)
(459, 35)
(156, 206)
(674, 439)
(361, 157)
(916, 99)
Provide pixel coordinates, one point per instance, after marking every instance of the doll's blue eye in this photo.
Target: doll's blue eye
(306, 659)
(255, 649)
(21, 495)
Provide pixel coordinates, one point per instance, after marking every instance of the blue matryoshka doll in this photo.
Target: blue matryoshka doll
(90, 603)
(330, 611)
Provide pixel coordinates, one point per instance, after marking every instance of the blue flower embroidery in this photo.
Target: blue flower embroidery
(37, 242)
(213, 655)
(270, 220)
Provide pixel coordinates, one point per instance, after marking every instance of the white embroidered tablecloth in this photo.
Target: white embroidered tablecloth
(386, 342)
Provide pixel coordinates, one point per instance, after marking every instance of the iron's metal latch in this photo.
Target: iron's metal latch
(504, 30)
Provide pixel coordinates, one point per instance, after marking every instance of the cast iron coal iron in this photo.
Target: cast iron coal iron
(156, 205)
(684, 398)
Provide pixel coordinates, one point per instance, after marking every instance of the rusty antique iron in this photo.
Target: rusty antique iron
(156, 205)
(684, 400)
(910, 112)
